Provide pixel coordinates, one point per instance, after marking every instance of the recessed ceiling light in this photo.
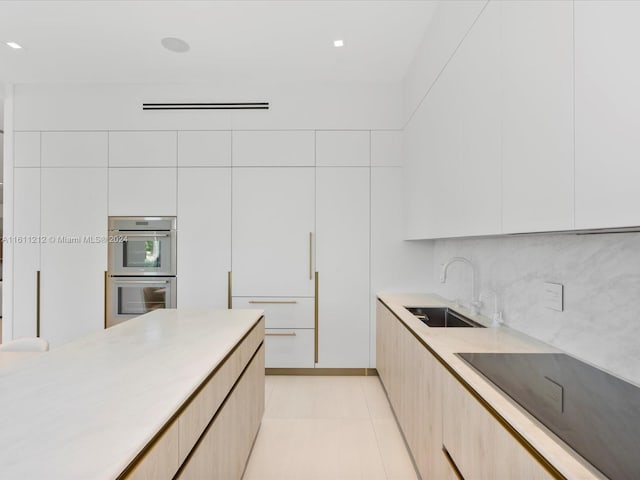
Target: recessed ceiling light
(175, 44)
(338, 43)
(14, 45)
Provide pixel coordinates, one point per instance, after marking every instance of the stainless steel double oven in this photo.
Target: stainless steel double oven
(142, 266)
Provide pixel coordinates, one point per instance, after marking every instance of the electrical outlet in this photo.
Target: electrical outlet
(554, 296)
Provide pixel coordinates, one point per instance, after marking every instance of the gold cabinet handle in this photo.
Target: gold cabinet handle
(229, 298)
(106, 299)
(292, 334)
(273, 302)
(310, 255)
(37, 303)
(316, 319)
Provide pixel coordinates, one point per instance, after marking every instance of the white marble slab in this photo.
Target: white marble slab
(85, 410)
(445, 342)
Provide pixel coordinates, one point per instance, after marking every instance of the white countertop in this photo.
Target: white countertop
(85, 410)
(445, 342)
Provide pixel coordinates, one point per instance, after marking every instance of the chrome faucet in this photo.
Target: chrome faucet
(475, 304)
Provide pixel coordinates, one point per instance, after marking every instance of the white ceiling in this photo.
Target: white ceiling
(119, 41)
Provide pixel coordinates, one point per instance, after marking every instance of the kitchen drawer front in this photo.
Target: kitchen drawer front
(281, 312)
(289, 348)
(195, 418)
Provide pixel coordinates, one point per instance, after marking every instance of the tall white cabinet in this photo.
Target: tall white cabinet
(26, 249)
(204, 219)
(343, 226)
(74, 206)
(56, 209)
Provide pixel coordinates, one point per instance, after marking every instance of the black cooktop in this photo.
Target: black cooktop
(597, 414)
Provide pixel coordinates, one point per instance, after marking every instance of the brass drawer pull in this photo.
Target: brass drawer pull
(292, 334)
(273, 302)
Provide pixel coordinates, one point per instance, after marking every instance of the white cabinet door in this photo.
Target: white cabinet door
(387, 148)
(343, 148)
(343, 266)
(537, 112)
(273, 218)
(26, 149)
(607, 75)
(453, 143)
(26, 251)
(204, 236)
(204, 149)
(273, 148)
(142, 191)
(74, 149)
(143, 149)
(74, 208)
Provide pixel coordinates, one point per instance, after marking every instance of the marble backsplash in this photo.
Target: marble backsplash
(601, 277)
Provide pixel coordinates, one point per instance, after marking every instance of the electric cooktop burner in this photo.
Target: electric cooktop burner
(597, 414)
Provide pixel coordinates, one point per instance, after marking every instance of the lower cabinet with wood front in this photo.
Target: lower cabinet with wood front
(212, 436)
(450, 434)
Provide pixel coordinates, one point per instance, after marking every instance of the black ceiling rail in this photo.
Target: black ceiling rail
(207, 106)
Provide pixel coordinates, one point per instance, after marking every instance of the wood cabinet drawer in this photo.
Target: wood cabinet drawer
(160, 461)
(281, 312)
(195, 418)
(224, 449)
(289, 348)
(479, 446)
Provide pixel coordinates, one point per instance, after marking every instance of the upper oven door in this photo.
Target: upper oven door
(142, 253)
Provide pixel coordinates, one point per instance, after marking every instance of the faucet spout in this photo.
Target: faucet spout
(474, 304)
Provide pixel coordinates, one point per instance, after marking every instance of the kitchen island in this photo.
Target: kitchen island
(171, 393)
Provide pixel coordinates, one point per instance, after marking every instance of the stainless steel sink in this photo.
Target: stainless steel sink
(442, 317)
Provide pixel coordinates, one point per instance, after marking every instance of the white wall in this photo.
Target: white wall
(599, 272)
(119, 107)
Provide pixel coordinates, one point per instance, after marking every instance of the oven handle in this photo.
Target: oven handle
(125, 234)
(142, 282)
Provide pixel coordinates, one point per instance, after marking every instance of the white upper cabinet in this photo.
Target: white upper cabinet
(204, 237)
(387, 148)
(343, 213)
(273, 218)
(453, 142)
(607, 70)
(74, 149)
(537, 112)
(204, 149)
(343, 148)
(273, 148)
(26, 149)
(142, 191)
(143, 149)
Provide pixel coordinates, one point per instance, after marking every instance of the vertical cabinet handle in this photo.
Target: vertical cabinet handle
(105, 299)
(316, 322)
(310, 255)
(37, 303)
(229, 302)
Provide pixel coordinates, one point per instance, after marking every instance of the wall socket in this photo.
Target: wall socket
(554, 296)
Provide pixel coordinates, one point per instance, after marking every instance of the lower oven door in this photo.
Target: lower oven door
(130, 297)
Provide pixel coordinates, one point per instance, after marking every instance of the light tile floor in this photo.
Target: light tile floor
(328, 428)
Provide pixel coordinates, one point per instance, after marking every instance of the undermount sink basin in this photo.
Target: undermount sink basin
(442, 317)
